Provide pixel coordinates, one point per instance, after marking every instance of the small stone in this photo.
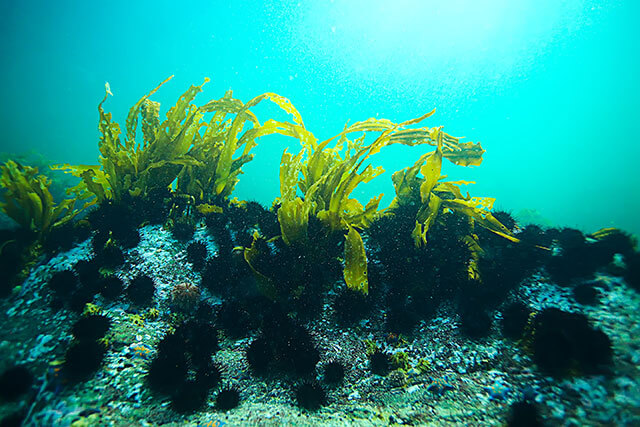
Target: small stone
(413, 372)
(413, 389)
(397, 378)
(557, 411)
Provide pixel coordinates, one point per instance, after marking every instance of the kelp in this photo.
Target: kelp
(293, 214)
(437, 196)
(205, 157)
(132, 167)
(265, 284)
(214, 177)
(327, 175)
(203, 150)
(355, 262)
(293, 217)
(28, 201)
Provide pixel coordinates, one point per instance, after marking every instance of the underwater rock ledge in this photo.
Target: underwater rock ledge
(438, 375)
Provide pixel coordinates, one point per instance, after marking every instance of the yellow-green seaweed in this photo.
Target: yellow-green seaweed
(355, 262)
(203, 157)
(28, 201)
(437, 195)
(327, 175)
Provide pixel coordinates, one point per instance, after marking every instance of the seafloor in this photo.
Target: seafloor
(451, 379)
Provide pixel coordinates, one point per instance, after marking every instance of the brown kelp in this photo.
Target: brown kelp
(437, 195)
(28, 201)
(327, 176)
(213, 178)
(201, 150)
(129, 167)
(205, 157)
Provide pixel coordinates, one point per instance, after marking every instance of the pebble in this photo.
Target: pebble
(557, 411)
(354, 395)
(40, 347)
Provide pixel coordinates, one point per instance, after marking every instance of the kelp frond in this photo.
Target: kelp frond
(436, 195)
(355, 262)
(225, 148)
(205, 157)
(131, 166)
(327, 175)
(28, 201)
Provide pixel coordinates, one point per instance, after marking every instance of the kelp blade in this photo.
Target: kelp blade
(355, 262)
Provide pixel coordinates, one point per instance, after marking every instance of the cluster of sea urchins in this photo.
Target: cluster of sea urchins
(402, 277)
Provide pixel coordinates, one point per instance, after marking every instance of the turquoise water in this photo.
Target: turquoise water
(550, 88)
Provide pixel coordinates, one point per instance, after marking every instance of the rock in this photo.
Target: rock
(413, 389)
(40, 347)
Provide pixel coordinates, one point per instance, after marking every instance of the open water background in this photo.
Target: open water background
(550, 88)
